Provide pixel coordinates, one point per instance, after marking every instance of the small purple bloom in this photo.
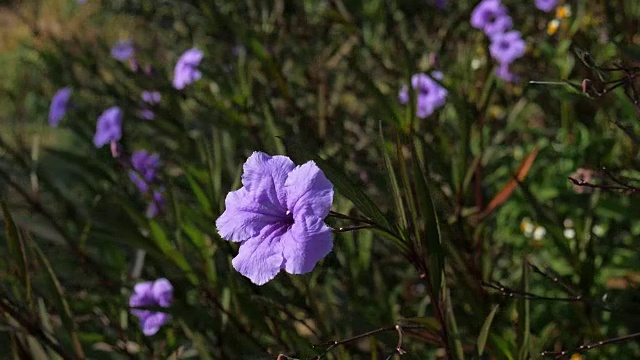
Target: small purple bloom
(429, 94)
(507, 47)
(146, 113)
(156, 204)
(144, 169)
(491, 17)
(151, 97)
(277, 217)
(186, 70)
(123, 50)
(109, 127)
(59, 106)
(151, 293)
(81, 2)
(546, 5)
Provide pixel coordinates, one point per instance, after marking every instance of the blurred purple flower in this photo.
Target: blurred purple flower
(504, 72)
(109, 127)
(81, 2)
(546, 5)
(186, 70)
(156, 204)
(123, 50)
(507, 47)
(144, 167)
(277, 217)
(491, 17)
(146, 113)
(59, 105)
(151, 293)
(429, 94)
(151, 97)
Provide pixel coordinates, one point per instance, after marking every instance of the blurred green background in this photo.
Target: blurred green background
(322, 78)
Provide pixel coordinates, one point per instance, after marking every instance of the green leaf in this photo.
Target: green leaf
(200, 195)
(484, 330)
(524, 315)
(433, 238)
(63, 304)
(17, 249)
(163, 243)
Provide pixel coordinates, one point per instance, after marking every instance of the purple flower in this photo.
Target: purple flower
(123, 50)
(144, 169)
(59, 106)
(546, 5)
(151, 293)
(491, 17)
(277, 217)
(146, 114)
(429, 94)
(507, 47)
(109, 127)
(151, 97)
(186, 71)
(156, 204)
(504, 73)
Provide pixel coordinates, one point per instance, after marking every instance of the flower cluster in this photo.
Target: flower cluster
(143, 169)
(143, 173)
(429, 94)
(492, 17)
(157, 293)
(277, 216)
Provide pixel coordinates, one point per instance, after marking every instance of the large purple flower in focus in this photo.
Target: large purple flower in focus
(546, 5)
(278, 217)
(429, 94)
(507, 47)
(491, 17)
(123, 50)
(109, 127)
(151, 293)
(144, 168)
(59, 106)
(186, 71)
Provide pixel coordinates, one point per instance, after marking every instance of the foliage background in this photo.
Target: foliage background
(321, 77)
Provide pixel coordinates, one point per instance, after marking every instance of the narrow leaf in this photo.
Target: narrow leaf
(65, 309)
(484, 330)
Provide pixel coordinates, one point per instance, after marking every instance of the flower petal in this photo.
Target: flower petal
(307, 188)
(307, 242)
(162, 291)
(151, 324)
(265, 176)
(260, 258)
(244, 217)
